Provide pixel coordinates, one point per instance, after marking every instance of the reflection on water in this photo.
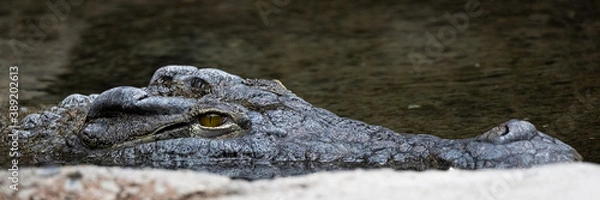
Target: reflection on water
(462, 73)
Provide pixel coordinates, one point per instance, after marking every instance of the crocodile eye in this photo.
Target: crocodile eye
(218, 122)
(211, 120)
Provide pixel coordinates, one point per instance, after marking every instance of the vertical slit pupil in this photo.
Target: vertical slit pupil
(211, 120)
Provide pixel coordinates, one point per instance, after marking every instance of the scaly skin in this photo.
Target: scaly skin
(262, 130)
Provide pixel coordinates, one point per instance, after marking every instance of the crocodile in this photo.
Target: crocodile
(209, 120)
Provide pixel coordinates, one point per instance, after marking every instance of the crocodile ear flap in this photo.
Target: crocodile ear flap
(166, 74)
(123, 98)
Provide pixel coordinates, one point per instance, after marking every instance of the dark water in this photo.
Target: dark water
(368, 60)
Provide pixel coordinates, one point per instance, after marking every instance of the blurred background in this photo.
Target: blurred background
(449, 68)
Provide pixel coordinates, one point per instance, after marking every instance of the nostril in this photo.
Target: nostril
(505, 131)
(510, 131)
(141, 96)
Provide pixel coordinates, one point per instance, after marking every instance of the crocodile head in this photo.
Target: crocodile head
(207, 119)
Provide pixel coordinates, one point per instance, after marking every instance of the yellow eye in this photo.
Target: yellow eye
(211, 120)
